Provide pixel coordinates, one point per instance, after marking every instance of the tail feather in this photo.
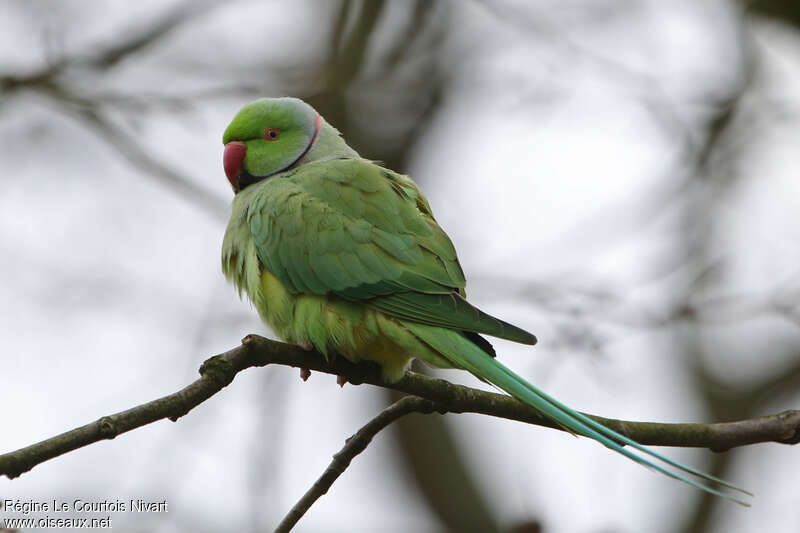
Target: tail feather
(471, 358)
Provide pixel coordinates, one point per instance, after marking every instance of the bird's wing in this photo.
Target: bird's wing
(352, 228)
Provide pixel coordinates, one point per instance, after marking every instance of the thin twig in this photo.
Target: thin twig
(219, 371)
(352, 447)
(88, 106)
(138, 156)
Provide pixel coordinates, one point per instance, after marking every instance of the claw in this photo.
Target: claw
(305, 374)
(341, 380)
(307, 346)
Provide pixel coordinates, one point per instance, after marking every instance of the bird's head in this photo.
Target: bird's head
(268, 136)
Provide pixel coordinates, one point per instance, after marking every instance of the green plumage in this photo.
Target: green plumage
(340, 253)
(346, 227)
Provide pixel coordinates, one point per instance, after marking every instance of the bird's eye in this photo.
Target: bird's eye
(272, 134)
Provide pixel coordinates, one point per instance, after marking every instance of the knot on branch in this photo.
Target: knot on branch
(218, 370)
(252, 338)
(107, 428)
(791, 418)
(427, 407)
(12, 466)
(256, 351)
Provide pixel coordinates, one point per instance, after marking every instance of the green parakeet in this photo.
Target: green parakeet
(342, 254)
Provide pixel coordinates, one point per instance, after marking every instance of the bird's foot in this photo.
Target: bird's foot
(341, 380)
(304, 372)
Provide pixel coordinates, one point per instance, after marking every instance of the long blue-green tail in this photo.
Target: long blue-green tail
(468, 356)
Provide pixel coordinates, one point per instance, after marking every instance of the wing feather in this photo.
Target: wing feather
(351, 228)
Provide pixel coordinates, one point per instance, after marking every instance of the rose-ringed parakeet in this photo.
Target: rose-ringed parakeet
(342, 254)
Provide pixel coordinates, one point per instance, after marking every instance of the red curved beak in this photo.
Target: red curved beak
(233, 161)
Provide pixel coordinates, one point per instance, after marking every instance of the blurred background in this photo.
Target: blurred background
(619, 176)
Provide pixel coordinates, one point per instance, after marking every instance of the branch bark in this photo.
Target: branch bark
(352, 447)
(219, 371)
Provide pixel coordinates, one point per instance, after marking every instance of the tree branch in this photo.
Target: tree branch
(352, 447)
(219, 371)
(88, 105)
